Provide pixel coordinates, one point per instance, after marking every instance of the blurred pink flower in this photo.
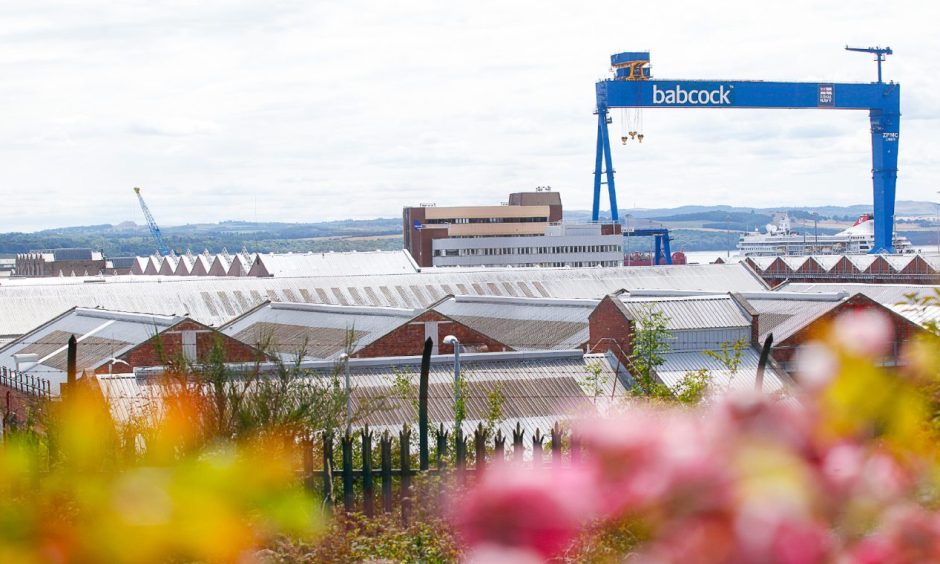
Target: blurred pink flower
(650, 457)
(908, 533)
(500, 554)
(816, 366)
(841, 467)
(757, 417)
(864, 332)
(519, 506)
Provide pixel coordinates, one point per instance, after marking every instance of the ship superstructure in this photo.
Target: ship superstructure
(780, 239)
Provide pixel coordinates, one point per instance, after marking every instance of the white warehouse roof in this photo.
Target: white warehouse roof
(28, 303)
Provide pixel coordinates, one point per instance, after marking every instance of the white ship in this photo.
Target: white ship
(781, 240)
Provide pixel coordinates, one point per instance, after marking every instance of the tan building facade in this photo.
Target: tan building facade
(527, 231)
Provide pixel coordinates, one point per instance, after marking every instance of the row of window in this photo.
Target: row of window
(563, 249)
(609, 263)
(486, 220)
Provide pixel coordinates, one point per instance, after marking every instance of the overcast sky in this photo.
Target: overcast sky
(310, 111)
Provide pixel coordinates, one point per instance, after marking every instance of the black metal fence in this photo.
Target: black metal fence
(352, 481)
(29, 384)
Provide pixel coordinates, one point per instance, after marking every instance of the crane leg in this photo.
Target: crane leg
(601, 124)
(885, 127)
(611, 189)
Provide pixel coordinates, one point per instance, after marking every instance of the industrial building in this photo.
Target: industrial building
(538, 389)
(527, 231)
(870, 269)
(60, 262)
(27, 303)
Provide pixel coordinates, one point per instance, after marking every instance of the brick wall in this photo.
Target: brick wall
(904, 330)
(610, 329)
(408, 339)
(15, 402)
(171, 346)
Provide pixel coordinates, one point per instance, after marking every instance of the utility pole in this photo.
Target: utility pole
(815, 233)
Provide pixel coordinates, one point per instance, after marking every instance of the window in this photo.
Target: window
(189, 345)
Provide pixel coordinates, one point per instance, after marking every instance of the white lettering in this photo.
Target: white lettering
(720, 96)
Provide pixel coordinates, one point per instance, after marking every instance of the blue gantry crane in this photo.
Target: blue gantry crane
(633, 87)
(154, 228)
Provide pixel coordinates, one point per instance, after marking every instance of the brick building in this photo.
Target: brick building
(60, 262)
(114, 342)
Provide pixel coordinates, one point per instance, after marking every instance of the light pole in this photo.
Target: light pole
(938, 223)
(815, 233)
(454, 342)
(627, 221)
(344, 358)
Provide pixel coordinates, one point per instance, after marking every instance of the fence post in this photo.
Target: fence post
(479, 446)
(328, 469)
(499, 446)
(423, 450)
(762, 363)
(71, 361)
(368, 489)
(460, 446)
(385, 450)
(556, 443)
(306, 446)
(404, 439)
(517, 448)
(441, 447)
(346, 442)
(537, 440)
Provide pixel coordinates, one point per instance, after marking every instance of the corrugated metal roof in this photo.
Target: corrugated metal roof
(319, 331)
(827, 261)
(677, 365)
(918, 314)
(524, 323)
(331, 263)
(861, 262)
(101, 335)
(690, 312)
(786, 314)
(538, 389)
(27, 303)
(885, 294)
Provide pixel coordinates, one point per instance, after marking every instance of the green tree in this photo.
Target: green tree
(729, 355)
(596, 381)
(693, 387)
(651, 337)
(494, 409)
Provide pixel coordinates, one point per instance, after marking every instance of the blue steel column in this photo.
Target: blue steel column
(885, 129)
(666, 249)
(601, 122)
(614, 215)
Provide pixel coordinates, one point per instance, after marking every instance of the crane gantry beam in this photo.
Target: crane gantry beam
(632, 87)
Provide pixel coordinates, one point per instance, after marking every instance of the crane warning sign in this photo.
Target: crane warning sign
(826, 96)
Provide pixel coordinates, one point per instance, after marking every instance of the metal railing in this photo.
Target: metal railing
(29, 384)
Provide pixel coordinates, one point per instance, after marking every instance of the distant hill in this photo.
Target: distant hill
(693, 228)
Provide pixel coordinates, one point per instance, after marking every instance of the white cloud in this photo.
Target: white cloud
(309, 111)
